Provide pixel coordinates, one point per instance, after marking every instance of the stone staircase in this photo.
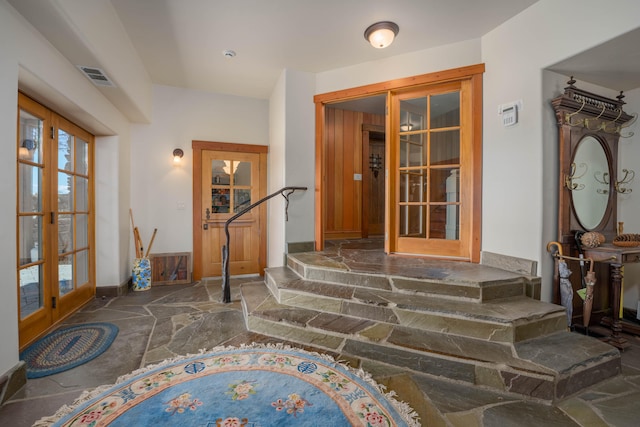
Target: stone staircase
(471, 323)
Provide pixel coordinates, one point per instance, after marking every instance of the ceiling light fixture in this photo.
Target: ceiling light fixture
(381, 34)
(228, 53)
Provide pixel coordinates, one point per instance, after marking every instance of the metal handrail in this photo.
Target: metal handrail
(226, 288)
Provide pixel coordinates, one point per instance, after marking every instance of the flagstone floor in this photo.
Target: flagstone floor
(168, 321)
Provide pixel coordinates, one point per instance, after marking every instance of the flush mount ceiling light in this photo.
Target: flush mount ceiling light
(381, 34)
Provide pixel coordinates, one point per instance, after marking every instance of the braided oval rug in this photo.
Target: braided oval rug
(241, 387)
(67, 347)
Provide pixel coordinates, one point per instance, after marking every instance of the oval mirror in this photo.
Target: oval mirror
(591, 178)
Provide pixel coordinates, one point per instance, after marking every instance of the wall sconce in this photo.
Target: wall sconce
(375, 164)
(26, 149)
(381, 34)
(177, 155)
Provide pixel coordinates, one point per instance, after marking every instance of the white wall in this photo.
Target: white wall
(291, 162)
(300, 155)
(425, 61)
(158, 187)
(514, 167)
(276, 166)
(28, 62)
(8, 120)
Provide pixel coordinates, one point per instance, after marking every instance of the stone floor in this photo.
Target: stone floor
(167, 321)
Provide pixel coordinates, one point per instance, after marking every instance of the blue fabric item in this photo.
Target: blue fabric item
(241, 387)
(67, 348)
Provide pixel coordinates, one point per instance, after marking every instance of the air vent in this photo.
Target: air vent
(97, 76)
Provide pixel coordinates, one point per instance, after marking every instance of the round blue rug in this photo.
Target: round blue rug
(240, 387)
(67, 348)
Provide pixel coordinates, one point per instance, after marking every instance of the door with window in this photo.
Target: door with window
(230, 181)
(56, 267)
(433, 154)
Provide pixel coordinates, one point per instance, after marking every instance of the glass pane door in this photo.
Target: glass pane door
(429, 160)
(73, 212)
(433, 188)
(56, 266)
(30, 214)
(73, 272)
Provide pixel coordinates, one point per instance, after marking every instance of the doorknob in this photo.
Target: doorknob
(208, 213)
(205, 226)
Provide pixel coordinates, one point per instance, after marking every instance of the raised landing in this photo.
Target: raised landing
(463, 322)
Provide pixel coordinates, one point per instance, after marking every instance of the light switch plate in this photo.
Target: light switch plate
(357, 177)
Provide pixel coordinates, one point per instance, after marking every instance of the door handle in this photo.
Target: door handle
(205, 226)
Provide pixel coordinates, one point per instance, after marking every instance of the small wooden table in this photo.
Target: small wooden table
(616, 257)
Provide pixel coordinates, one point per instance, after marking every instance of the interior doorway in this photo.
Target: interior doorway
(355, 181)
(432, 164)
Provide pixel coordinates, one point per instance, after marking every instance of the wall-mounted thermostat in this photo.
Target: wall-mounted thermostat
(509, 112)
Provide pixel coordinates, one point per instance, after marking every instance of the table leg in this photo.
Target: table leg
(616, 339)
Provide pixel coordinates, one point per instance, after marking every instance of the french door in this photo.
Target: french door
(434, 161)
(55, 219)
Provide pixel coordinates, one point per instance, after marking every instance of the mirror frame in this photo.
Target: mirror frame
(578, 191)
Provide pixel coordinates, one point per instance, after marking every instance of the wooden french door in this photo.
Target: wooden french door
(230, 181)
(55, 219)
(432, 187)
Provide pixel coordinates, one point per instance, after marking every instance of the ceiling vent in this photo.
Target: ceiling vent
(97, 76)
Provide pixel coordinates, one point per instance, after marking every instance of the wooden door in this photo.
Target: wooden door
(56, 262)
(373, 182)
(433, 171)
(229, 182)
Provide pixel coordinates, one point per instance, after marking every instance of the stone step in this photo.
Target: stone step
(509, 320)
(465, 282)
(550, 368)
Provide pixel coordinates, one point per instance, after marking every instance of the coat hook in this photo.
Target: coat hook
(567, 117)
(626, 179)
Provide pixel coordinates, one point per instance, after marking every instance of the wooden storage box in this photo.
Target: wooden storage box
(171, 268)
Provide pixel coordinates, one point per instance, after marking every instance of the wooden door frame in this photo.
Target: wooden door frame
(198, 147)
(471, 72)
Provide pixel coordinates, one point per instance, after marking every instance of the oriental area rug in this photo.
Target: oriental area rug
(253, 386)
(67, 347)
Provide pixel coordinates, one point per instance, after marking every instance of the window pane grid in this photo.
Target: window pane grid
(429, 164)
(231, 186)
